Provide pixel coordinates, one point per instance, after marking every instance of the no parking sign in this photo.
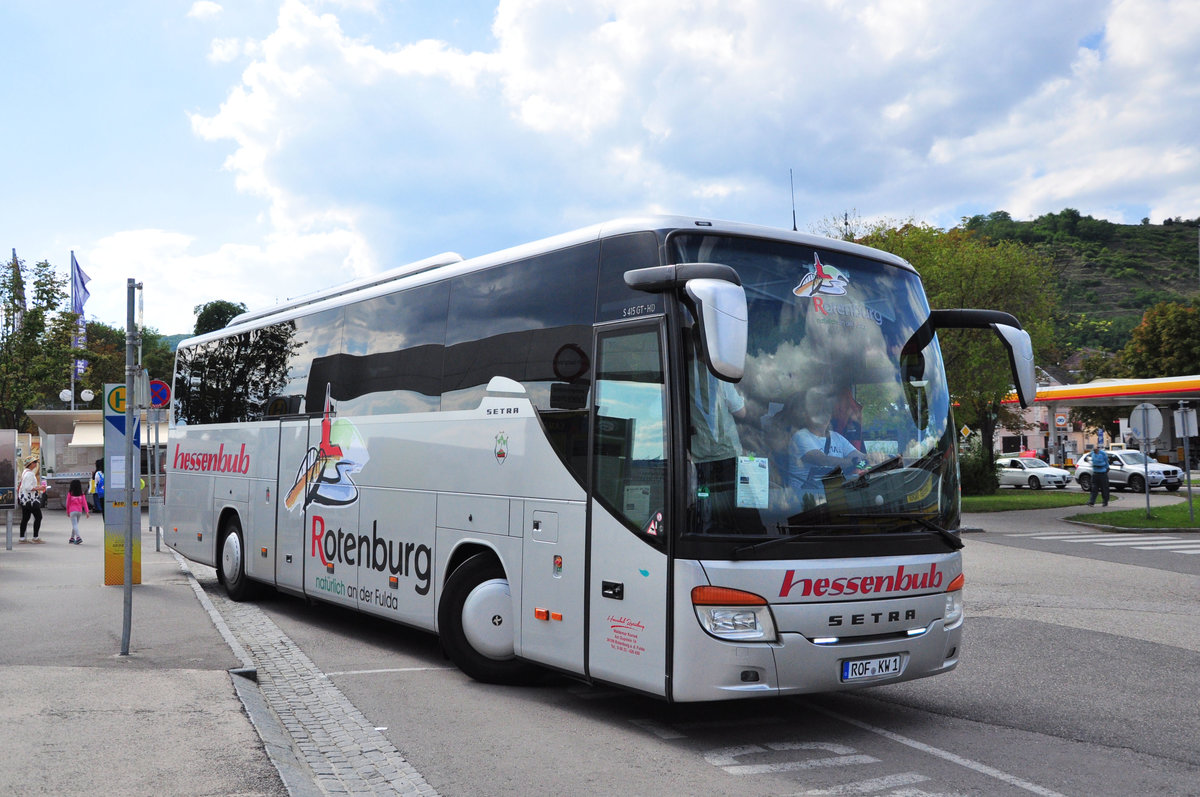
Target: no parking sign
(160, 393)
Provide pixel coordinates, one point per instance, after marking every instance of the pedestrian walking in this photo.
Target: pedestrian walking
(1099, 477)
(100, 487)
(29, 496)
(77, 505)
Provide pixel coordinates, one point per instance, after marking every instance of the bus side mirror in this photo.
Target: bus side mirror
(721, 312)
(1020, 359)
(1005, 325)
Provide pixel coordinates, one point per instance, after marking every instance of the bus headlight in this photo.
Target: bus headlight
(952, 614)
(733, 614)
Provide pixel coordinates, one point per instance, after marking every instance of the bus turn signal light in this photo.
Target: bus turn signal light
(725, 596)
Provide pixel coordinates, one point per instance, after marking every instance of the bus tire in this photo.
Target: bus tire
(232, 565)
(477, 623)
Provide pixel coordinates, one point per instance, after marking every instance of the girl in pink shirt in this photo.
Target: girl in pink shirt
(76, 505)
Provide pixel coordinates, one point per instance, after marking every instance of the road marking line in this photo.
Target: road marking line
(869, 786)
(1090, 537)
(392, 669)
(945, 755)
(793, 766)
(1120, 543)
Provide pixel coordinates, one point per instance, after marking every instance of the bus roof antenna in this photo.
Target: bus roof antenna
(792, 185)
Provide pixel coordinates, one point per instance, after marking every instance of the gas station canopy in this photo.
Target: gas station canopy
(1120, 392)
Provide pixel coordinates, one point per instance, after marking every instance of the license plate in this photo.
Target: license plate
(872, 668)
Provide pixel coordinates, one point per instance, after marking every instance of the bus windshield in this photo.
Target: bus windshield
(841, 425)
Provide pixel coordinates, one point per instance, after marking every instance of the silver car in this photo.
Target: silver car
(1130, 469)
(1030, 472)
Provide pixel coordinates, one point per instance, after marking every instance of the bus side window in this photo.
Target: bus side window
(630, 452)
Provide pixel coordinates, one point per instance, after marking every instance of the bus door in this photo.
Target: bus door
(628, 584)
(290, 526)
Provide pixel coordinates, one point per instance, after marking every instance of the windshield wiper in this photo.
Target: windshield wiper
(951, 539)
(783, 527)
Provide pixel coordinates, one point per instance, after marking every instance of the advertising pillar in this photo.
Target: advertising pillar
(116, 465)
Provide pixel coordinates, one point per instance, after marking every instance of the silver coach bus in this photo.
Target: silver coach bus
(697, 459)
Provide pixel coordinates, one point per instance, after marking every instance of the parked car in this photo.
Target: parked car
(1030, 472)
(1129, 469)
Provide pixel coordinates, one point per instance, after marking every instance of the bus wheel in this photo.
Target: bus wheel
(477, 623)
(232, 567)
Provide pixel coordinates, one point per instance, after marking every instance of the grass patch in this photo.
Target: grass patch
(1007, 499)
(1172, 516)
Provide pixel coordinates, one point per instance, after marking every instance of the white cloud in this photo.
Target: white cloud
(366, 151)
(204, 9)
(224, 51)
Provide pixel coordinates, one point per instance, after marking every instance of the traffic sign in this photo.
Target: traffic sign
(1145, 422)
(160, 393)
(115, 400)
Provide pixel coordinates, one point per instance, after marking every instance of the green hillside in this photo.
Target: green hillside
(1108, 274)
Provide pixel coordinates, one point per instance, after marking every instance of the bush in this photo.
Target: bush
(977, 469)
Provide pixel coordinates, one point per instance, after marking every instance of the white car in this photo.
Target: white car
(1129, 469)
(1030, 472)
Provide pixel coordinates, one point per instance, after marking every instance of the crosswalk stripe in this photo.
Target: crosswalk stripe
(1122, 543)
(1088, 537)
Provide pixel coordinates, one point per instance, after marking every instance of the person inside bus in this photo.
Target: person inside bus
(815, 449)
(716, 408)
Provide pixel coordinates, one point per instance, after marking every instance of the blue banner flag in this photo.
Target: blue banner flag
(79, 291)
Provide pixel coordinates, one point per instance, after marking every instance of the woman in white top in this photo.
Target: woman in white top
(29, 496)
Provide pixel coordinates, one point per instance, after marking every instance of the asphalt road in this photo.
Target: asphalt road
(1080, 676)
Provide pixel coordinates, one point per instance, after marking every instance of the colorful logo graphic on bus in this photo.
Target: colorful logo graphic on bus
(822, 279)
(324, 476)
(501, 449)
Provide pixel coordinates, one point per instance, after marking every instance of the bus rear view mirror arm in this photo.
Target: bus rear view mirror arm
(714, 292)
(1008, 329)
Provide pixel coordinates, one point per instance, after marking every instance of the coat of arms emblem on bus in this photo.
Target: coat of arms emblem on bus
(501, 449)
(822, 279)
(324, 476)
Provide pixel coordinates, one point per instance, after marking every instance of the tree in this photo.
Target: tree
(962, 269)
(1166, 343)
(216, 315)
(35, 340)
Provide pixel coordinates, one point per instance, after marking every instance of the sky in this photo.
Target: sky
(258, 150)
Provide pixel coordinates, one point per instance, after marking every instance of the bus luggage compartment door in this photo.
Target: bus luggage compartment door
(552, 584)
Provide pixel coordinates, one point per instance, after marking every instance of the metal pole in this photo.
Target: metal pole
(1146, 455)
(75, 333)
(1187, 456)
(130, 414)
(155, 414)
